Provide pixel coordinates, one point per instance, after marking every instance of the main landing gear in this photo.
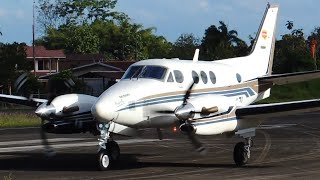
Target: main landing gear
(241, 153)
(109, 150)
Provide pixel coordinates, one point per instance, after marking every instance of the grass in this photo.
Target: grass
(18, 119)
(294, 92)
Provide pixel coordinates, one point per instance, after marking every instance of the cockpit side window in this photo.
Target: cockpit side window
(170, 78)
(179, 76)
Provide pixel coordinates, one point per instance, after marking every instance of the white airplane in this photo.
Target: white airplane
(199, 97)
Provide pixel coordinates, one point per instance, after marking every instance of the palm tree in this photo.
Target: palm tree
(228, 38)
(289, 25)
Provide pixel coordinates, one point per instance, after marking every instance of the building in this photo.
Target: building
(98, 76)
(93, 69)
(46, 61)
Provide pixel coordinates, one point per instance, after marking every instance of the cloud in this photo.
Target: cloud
(19, 14)
(3, 12)
(204, 5)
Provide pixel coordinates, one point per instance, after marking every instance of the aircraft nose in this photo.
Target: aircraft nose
(103, 111)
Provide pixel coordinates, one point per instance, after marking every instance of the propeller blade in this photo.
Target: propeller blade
(197, 144)
(160, 134)
(48, 150)
(21, 80)
(187, 95)
(57, 87)
(70, 109)
(69, 83)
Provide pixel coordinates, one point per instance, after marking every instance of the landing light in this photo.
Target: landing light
(174, 129)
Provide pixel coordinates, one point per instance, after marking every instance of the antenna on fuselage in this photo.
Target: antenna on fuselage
(196, 55)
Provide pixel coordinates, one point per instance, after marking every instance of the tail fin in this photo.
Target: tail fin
(263, 48)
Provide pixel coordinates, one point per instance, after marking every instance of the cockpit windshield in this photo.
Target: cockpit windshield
(149, 71)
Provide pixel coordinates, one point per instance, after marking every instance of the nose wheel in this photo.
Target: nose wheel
(109, 156)
(109, 151)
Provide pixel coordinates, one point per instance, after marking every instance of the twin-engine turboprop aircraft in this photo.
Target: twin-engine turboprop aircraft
(200, 97)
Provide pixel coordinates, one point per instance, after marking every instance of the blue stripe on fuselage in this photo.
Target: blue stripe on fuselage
(228, 93)
(215, 121)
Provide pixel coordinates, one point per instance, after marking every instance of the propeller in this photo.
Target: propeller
(55, 87)
(185, 113)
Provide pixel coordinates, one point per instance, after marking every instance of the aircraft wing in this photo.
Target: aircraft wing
(263, 111)
(33, 102)
(280, 79)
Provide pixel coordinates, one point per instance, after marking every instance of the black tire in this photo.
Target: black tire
(104, 160)
(113, 149)
(240, 155)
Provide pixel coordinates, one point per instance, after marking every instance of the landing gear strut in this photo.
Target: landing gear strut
(109, 150)
(242, 153)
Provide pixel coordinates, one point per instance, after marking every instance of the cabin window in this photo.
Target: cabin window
(212, 77)
(178, 75)
(170, 78)
(204, 77)
(195, 77)
(239, 79)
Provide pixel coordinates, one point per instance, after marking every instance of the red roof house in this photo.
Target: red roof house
(46, 61)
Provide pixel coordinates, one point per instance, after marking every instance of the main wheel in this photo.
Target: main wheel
(240, 156)
(104, 160)
(113, 149)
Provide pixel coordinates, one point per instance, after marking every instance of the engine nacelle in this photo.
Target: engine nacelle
(76, 103)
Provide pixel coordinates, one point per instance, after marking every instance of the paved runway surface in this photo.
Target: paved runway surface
(285, 148)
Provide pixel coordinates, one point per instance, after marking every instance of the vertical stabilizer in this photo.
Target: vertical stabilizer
(263, 49)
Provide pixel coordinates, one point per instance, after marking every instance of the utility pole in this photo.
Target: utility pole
(33, 48)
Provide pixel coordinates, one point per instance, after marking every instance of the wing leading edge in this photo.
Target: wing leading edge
(33, 102)
(263, 111)
(281, 79)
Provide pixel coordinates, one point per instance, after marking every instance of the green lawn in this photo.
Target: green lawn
(294, 92)
(18, 119)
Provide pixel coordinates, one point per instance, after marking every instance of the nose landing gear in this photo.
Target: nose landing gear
(109, 150)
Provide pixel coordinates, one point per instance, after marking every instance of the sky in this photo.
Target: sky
(171, 18)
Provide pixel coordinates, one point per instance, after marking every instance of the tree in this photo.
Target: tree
(12, 60)
(289, 25)
(221, 43)
(292, 53)
(314, 37)
(56, 13)
(185, 46)
(47, 17)
(81, 40)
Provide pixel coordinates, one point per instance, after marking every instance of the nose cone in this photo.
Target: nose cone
(103, 111)
(45, 111)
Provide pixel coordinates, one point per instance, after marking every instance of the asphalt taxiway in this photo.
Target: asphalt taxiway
(284, 148)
